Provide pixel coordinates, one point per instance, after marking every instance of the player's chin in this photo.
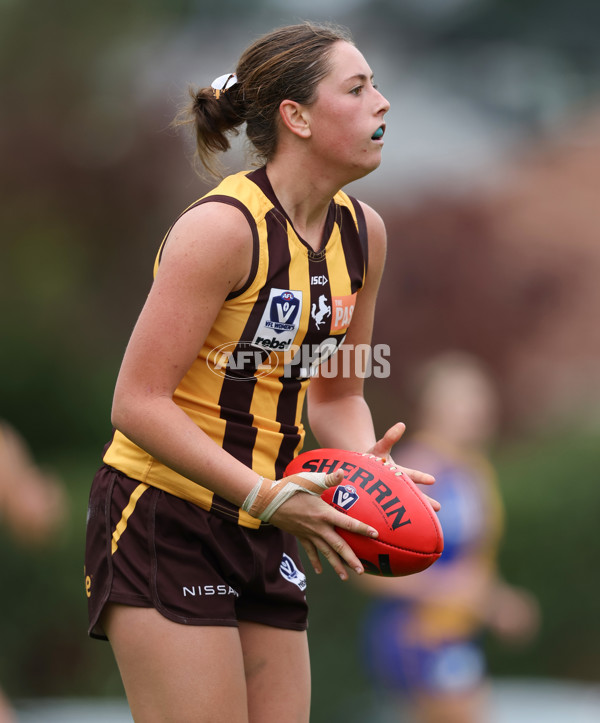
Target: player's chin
(376, 165)
(367, 167)
(374, 157)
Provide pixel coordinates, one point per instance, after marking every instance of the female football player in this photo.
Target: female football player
(33, 507)
(192, 566)
(423, 634)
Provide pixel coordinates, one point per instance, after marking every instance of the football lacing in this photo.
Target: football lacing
(384, 461)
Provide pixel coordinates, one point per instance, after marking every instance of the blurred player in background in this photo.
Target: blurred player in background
(422, 634)
(32, 506)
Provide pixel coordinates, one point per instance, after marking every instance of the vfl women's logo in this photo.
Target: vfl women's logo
(284, 310)
(345, 496)
(291, 573)
(280, 320)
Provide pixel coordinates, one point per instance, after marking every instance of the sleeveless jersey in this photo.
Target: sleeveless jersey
(247, 386)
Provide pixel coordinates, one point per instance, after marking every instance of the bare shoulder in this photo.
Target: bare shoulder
(377, 238)
(211, 238)
(372, 218)
(212, 224)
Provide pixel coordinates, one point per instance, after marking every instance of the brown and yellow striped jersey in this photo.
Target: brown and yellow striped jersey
(247, 386)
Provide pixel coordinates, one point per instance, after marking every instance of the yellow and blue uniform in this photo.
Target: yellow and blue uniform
(433, 645)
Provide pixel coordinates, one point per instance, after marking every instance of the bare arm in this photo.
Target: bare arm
(33, 502)
(470, 585)
(208, 254)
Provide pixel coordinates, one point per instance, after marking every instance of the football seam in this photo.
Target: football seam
(405, 549)
(424, 503)
(427, 505)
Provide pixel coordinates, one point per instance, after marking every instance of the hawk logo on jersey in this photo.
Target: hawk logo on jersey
(291, 573)
(280, 320)
(322, 312)
(345, 496)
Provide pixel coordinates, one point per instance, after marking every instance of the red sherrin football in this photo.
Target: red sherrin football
(410, 536)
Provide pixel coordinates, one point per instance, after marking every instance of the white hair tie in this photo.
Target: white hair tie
(223, 83)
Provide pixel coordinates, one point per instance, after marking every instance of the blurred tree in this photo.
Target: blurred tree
(568, 28)
(88, 180)
(72, 192)
(528, 62)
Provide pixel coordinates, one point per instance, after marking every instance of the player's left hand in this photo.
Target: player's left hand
(383, 448)
(514, 614)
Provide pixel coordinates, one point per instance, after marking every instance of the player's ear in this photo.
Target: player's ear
(295, 118)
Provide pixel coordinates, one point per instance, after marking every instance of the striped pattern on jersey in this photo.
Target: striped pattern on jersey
(246, 388)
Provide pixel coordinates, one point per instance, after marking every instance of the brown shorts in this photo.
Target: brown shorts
(147, 548)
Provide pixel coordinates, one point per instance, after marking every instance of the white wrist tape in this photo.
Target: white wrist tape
(267, 496)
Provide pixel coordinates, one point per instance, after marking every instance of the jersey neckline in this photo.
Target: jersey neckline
(260, 178)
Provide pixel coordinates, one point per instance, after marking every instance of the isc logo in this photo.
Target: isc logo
(345, 496)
